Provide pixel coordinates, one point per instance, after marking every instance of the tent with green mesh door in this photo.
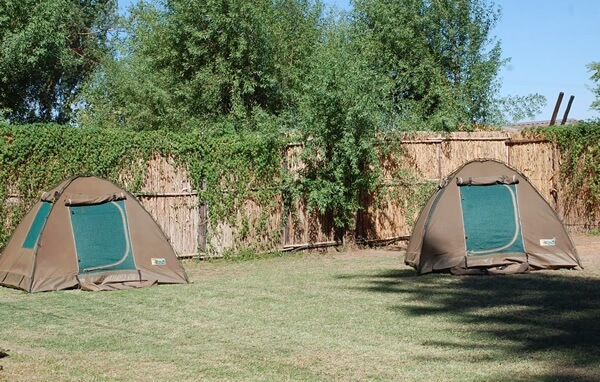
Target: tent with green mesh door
(487, 218)
(88, 233)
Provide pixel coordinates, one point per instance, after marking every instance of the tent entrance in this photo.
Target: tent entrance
(101, 234)
(491, 219)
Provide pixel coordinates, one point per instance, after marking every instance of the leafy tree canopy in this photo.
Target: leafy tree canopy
(231, 69)
(47, 49)
(340, 112)
(195, 60)
(594, 67)
(439, 56)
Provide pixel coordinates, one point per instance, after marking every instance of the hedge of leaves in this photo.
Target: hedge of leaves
(225, 169)
(579, 146)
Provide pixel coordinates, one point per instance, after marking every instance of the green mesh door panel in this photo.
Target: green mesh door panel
(36, 226)
(491, 219)
(101, 236)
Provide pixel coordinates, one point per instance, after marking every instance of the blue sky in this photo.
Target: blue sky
(549, 43)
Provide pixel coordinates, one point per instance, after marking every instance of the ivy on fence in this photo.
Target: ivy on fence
(226, 170)
(579, 147)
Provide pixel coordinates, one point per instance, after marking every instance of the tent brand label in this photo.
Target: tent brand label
(548, 242)
(159, 261)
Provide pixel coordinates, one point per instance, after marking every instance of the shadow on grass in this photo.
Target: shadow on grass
(539, 313)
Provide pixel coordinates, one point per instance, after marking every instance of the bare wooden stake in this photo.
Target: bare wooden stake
(566, 115)
(556, 108)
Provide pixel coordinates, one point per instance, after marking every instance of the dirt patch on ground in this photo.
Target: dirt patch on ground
(588, 248)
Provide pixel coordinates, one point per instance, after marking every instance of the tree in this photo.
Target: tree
(514, 108)
(594, 67)
(130, 88)
(205, 60)
(47, 49)
(438, 55)
(340, 112)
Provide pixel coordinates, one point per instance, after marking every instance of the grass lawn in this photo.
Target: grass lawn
(317, 317)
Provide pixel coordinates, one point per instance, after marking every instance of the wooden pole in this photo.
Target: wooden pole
(567, 110)
(556, 107)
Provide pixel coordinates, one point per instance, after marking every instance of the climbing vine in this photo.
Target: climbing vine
(233, 171)
(34, 158)
(227, 169)
(579, 147)
(237, 176)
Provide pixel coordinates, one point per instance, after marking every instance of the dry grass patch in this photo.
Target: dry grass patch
(316, 317)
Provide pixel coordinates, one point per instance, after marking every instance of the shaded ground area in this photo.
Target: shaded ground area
(545, 315)
(543, 326)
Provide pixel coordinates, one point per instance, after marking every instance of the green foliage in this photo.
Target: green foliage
(580, 162)
(439, 58)
(339, 116)
(234, 57)
(235, 70)
(47, 48)
(227, 172)
(185, 62)
(228, 79)
(130, 91)
(35, 157)
(129, 95)
(231, 170)
(417, 197)
(594, 67)
(512, 109)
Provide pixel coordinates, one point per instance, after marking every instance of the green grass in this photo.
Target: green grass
(312, 317)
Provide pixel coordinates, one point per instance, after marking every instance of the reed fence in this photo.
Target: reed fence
(410, 176)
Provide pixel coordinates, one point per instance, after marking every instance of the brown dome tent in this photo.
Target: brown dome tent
(486, 217)
(88, 233)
